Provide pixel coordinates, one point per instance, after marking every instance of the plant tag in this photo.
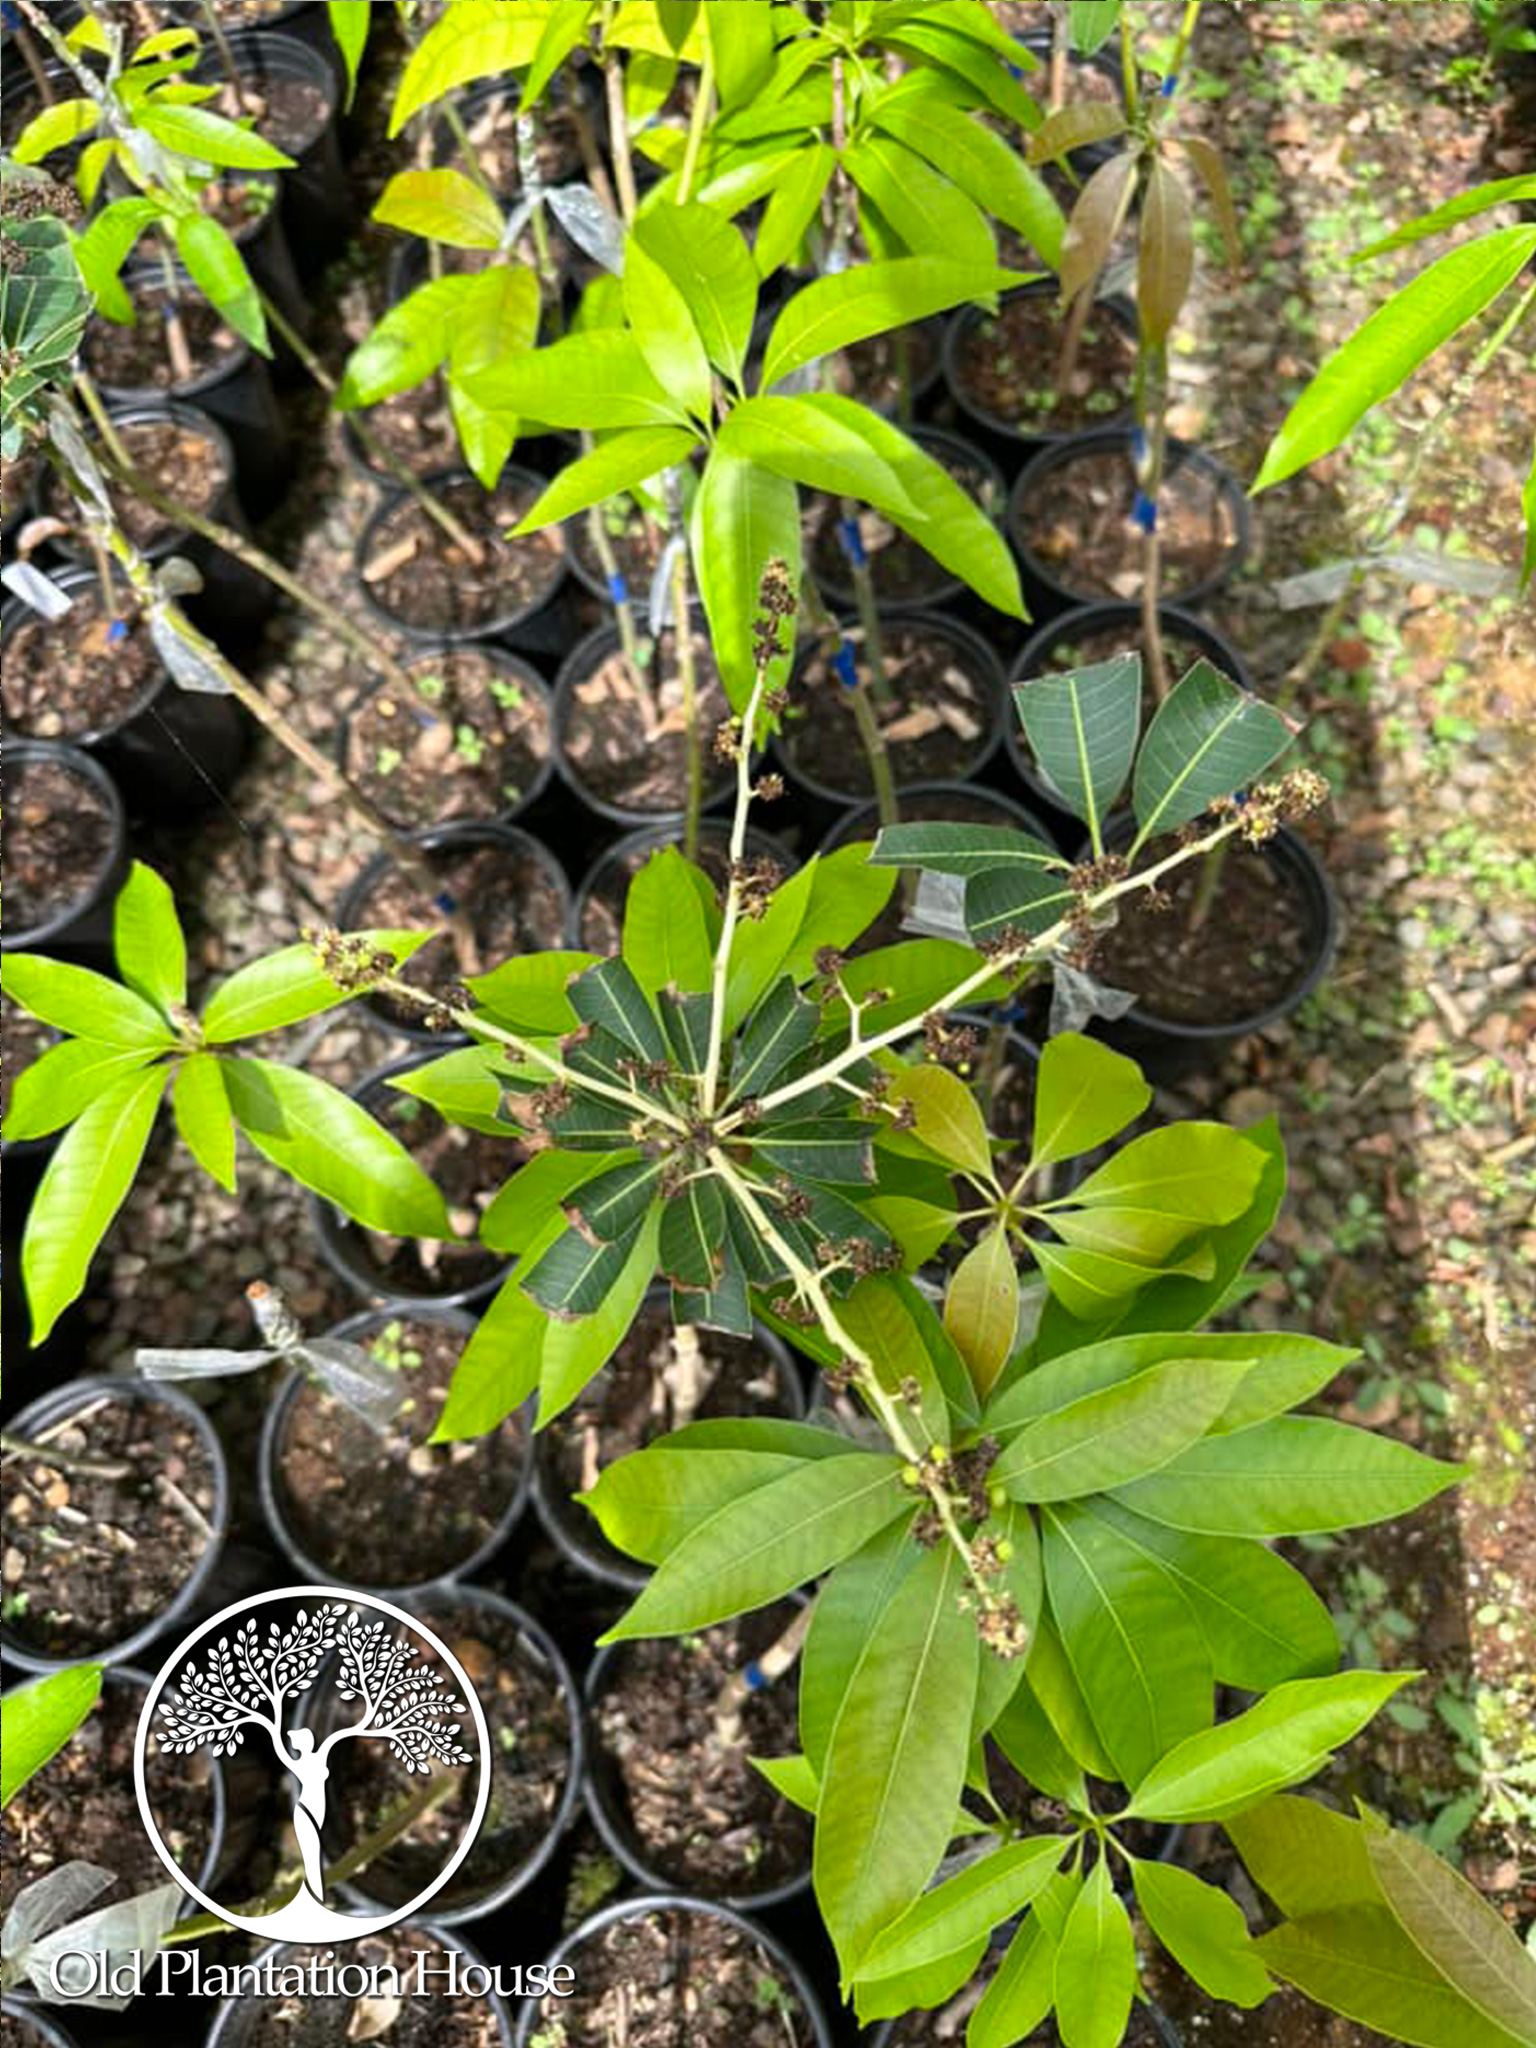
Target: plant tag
(35, 589)
(1075, 997)
(90, 1952)
(661, 584)
(938, 908)
(190, 670)
(589, 224)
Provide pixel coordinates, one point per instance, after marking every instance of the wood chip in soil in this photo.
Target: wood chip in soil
(627, 741)
(61, 833)
(422, 576)
(137, 358)
(1079, 526)
(467, 743)
(941, 715)
(440, 2019)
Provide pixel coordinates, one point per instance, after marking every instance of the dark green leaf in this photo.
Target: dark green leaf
(782, 1026)
(961, 849)
(1208, 740)
(825, 1149)
(1104, 1439)
(611, 1205)
(609, 996)
(1025, 899)
(577, 1347)
(693, 1234)
(1082, 728)
(725, 1306)
(574, 1275)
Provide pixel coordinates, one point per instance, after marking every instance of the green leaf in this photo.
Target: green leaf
(1052, 1681)
(55, 128)
(286, 987)
(535, 1196)
(686, 1020)
(981, 164)
(895, 1765)
(63, 1081)
(498, 316)
(574, 1275)
(40, 1718)
(609, 996)
(102, 248)
(782, 1026)
(82, 1189)
(741, 41)
(953, 1914)
(1092, 23)
(442, 206)
(1082, 728)
(709, 263)
(1307, 1857)
(1203, 1172)
(878, 1316)
(1106, 1439)
(1024, 1989)
(407, 344)
(147, 941)
(1095, 1981)
(1204, 1931)
(349, 26)
(1358, 1961)
(209, 138)
(843, 1629)
(816, 1149)
(1165, 258)
(1023, 1732)
(792, 206)
(499, 1367)
(756, 1550)
(326, 1141)
(218, 268)
(961, 849)
(1004, 900)
(620, 463)
(1457, 1931)
(1133, 1643)
(981, 1306)
(1090, 1283)
(1084, 1094)
(649, 1502)
(1396, 339)
(83, 1003)
(949, 1121)
(814, 445)
(928, 211)
(575, 1349)
(666, 943)
(476, 39)
(612, 1204)
(659, 318)
(529, 994)
(1292, 1476)
(565, 25)
(1209, 738)
(590, 1126)
(598, 378)
(791, 1777)
(869, 299)
(743, 517)
(693, 1235)
(464, 1087)
(844, 896)
(1285, 1738)
(200, 1102)
(1262, 1622)
(1481, 198)
(1074, 127)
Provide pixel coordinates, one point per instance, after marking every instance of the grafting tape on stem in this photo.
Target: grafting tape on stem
(851, 542)
(846, 665)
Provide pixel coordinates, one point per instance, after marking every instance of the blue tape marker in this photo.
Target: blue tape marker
(852, 542)
(754, 1679)
(1170, 85)
(618, 589)
(445, 902)
(10, 15)
(846, 666)
(1144, 512)
(118, 630)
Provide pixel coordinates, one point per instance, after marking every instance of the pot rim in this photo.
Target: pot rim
(959, 325)
(194, 419)
(18, 613)
(75, 761)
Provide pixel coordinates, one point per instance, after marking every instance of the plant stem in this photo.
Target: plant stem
(618, 123)
(710, 1083)
(231, 70)
(1152, 393)
(763, 1670)
(687, 673)
(698, 121)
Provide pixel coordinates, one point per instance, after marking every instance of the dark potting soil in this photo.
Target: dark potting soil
(1008, 366)
(527, 1716)
(287, 112)
(15, 481)
(395, 1510)
(60, 834)
(901, 570)
(602, 914)
(939, 720)
(675, 1979)
(512, 904)
(468, 1166)
(81, 1805)
(22, 1039)
(415, 427)
(90, 1559)
(636, 540)
(705, 1819)
(878, 370)
(466, 744)
(440, 2019)
(1079, 526)
(491, 129)
(628, 744)
(138, 358)
(80, 674)
(422, 577)
(176, 458)
(239, 201)
(947, 807)
(635, 1398)
(1250, 952)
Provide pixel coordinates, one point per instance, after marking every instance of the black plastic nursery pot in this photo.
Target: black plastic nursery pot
(229, 380)
(958, 701)
(1096, 632)
(532, 1707)
(234, 599)
(390, 1513)
(34, 2028)
(1025, 334)
(676, 1946)
(902, 572)
(508, 885)
(569, 1452)
(488, 116)
(1079, 497)
(421, 1272)
(1281, 882)
(642, 780)
(263, 242)
(472, 743)
(170, 751)
(597, 915)
(445, 2018)
(300, 90)
(124, 1626)
(61, 803)
(1096, 77)
(417, 580)
(685, 1678)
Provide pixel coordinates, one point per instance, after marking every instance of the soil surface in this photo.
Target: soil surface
(60, 834)
(415, 427)
(510, 898)
(128, 361)
(290, 113)
(16, 477)
(81, 1807)
(395, 1510)
(879, 371)
(176, 458)
(490, 127)
(702, 1816)
(941, 716)
(625, 737)
(1079, 527)
(678, 1980)
(1251, 950)
(1009, 367)
(78, 675)
(637, 541)
(467, 743)
(438, 2020)
(529, 1719)
(901, 571)
(423, 578)
(91, 1556)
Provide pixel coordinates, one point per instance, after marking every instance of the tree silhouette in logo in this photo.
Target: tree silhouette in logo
(246, 1680)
